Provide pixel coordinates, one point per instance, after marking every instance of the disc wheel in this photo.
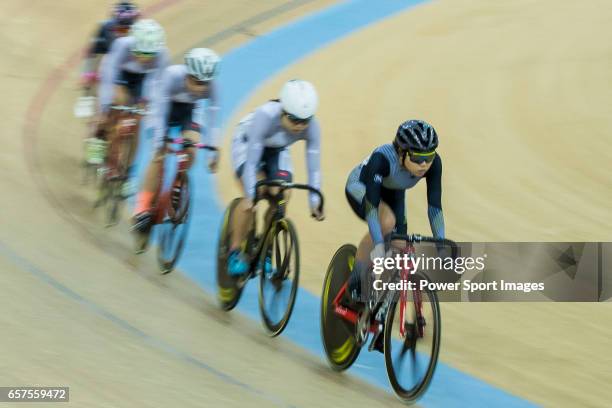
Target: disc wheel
(228, 289)
(337, 333)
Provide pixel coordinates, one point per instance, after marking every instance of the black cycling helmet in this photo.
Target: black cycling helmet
(416, 136)
(125, 13)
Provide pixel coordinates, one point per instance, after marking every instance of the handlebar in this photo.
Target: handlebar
(416, 238)
(130, 109)
(283, 185)
(187, 143)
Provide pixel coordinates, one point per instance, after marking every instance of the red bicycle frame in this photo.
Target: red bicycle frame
(126, 132)
(405, 273)
(163, 195)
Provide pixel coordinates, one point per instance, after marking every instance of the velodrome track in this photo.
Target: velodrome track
(79, 309)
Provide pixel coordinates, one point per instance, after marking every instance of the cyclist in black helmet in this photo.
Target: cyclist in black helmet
(123, 15)
(376, 191)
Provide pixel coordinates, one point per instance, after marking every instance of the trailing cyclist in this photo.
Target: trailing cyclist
(123, 15)
(376, 188)
(260, 150)
(129, 74)
(174, 104)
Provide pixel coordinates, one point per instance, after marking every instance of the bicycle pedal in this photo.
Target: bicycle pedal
(362, 327)
(374, 343)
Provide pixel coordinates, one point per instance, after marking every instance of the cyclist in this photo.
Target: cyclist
(129, 74)
(376, 189)
(260, 149)
(123, 15)
(175, 105)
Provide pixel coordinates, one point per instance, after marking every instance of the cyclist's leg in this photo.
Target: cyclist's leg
(152, 181)
(362, 258)
(134, 90)
(277, 166)
(150, 187)
(242, 217)
(182, 114)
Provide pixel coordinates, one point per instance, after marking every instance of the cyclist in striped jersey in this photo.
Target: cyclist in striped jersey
(376, 190)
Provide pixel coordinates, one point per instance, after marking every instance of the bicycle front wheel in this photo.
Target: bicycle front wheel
(412, 341)
(279, 278)
(174, 228)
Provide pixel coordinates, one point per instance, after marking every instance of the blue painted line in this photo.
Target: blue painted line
(243, 70)
(125, 325)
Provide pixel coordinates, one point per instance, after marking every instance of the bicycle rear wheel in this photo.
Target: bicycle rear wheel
(118, 165)
(173, 230)
(113, 200)
(337, 333)
(228, 291)
(279, 284)
(411, 358)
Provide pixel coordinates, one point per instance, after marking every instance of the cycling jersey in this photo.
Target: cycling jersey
(104, 38)
(261, 130)
(382, 176)
(121, 60)
(174, 105)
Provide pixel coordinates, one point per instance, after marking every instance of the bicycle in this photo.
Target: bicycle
(278, 242)
(399, 316)
(85, 108)
(171, 209)
(122, 146)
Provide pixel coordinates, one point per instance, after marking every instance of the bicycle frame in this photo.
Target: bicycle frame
(404, 274)
(125, 133)
(162, 201)
(279, 213)
(278, 202)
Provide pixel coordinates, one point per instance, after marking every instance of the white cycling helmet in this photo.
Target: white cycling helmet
(202, 63)
(149, 36)
(299, 98)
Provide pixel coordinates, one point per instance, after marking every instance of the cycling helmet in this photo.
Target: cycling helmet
(125, 13)
(149, 37)
(416, 136)
(299, 98)
(202, 63)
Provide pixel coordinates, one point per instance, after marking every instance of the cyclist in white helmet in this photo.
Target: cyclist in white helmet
(260, 149)
(128, 75)
(174, 104)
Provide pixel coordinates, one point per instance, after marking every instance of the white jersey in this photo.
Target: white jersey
(171, 89)
(120, 58)
(262, 129)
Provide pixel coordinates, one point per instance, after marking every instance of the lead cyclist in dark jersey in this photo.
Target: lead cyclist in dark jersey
(123, 15)
(376, 192)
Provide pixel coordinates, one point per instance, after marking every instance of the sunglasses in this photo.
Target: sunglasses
(144, 54)
(297, 121)
(197, 81)
(420, 158)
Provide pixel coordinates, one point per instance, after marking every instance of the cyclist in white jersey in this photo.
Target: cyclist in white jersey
(129, 74)
(260, 149)
(175, 105)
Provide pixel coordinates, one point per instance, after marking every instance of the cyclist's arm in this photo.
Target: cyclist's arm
(434, 198)
(212, 114)
(313, 161)
(152, 79)
(98, 47)
(109, 71)
(371, 176)
(160, 106)
(256, 132)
